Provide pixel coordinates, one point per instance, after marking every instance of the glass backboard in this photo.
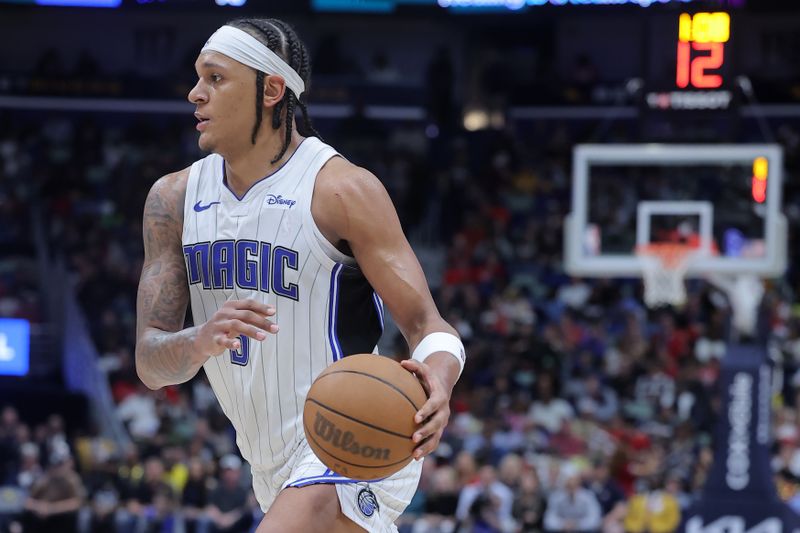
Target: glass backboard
(725, 200)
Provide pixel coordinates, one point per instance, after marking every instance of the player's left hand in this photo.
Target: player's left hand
(434, 415)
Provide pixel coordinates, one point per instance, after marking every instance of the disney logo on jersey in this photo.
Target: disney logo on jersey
(279, 202)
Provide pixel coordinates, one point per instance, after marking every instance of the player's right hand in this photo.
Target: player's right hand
(234, 318)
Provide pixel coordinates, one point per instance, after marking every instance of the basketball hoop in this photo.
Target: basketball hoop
(664, 266)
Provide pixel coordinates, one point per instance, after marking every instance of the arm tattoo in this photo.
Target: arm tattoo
(164, 353)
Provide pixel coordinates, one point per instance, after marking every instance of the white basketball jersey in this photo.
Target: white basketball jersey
(265, 246)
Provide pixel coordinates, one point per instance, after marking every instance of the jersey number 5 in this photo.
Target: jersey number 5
(242, 356)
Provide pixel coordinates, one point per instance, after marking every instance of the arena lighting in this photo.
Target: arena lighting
(112, 3)
(80, 3)
(15, 334)
(519, 4)
(476, 119)
(388, 6)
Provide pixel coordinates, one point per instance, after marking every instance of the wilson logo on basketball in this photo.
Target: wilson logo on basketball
(327, 431)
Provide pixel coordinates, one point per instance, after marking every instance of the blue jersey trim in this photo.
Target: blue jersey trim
(333, 309)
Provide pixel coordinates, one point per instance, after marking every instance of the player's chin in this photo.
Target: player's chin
(205, 143)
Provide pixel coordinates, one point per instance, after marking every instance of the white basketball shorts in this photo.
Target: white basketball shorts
(372, 505)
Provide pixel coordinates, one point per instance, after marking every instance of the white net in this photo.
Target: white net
(664, 267)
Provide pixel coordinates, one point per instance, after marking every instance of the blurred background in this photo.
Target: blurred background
(580, 409)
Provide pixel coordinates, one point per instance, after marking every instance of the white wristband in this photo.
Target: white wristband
(440, 341)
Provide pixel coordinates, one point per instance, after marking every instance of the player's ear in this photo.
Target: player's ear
(274, 89)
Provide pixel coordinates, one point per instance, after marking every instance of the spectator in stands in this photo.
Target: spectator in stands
(652, 510)
(441, 501)
(175, 466)
(160, 516)
(138, 512)
(596, 400)
(466, 468)
(195, 495)
(675, 487)
(572, 508)
(530, 503)
(654, 390)
(229, 508)
(53, 435)
(138, 411)
(548, 411)
(102, 508)
(605, 488)
(30, 469)
(9, 444)
(56, 497)
(682, 452)
(566, 442)
(614, 521)
(486, 502)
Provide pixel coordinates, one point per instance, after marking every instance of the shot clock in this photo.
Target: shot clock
(701, 59)
(701, 49)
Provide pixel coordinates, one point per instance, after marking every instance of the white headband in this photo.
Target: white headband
(248, 50)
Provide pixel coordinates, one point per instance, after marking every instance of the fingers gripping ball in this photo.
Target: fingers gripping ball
(359, 416)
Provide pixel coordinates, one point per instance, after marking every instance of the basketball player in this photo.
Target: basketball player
(288, 252)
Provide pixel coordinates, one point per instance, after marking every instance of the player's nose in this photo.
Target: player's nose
(197, 94)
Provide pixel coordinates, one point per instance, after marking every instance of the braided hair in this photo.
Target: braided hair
(281, 38)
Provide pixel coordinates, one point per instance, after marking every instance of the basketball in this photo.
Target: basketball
(359, 416)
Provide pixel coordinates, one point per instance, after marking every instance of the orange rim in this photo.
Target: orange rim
(670, 254)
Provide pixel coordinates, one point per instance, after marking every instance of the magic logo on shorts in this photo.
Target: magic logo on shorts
(367, 502)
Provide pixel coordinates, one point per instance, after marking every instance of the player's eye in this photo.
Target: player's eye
(215, 78)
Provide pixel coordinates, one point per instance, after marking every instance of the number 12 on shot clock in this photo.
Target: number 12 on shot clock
(706, 33)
